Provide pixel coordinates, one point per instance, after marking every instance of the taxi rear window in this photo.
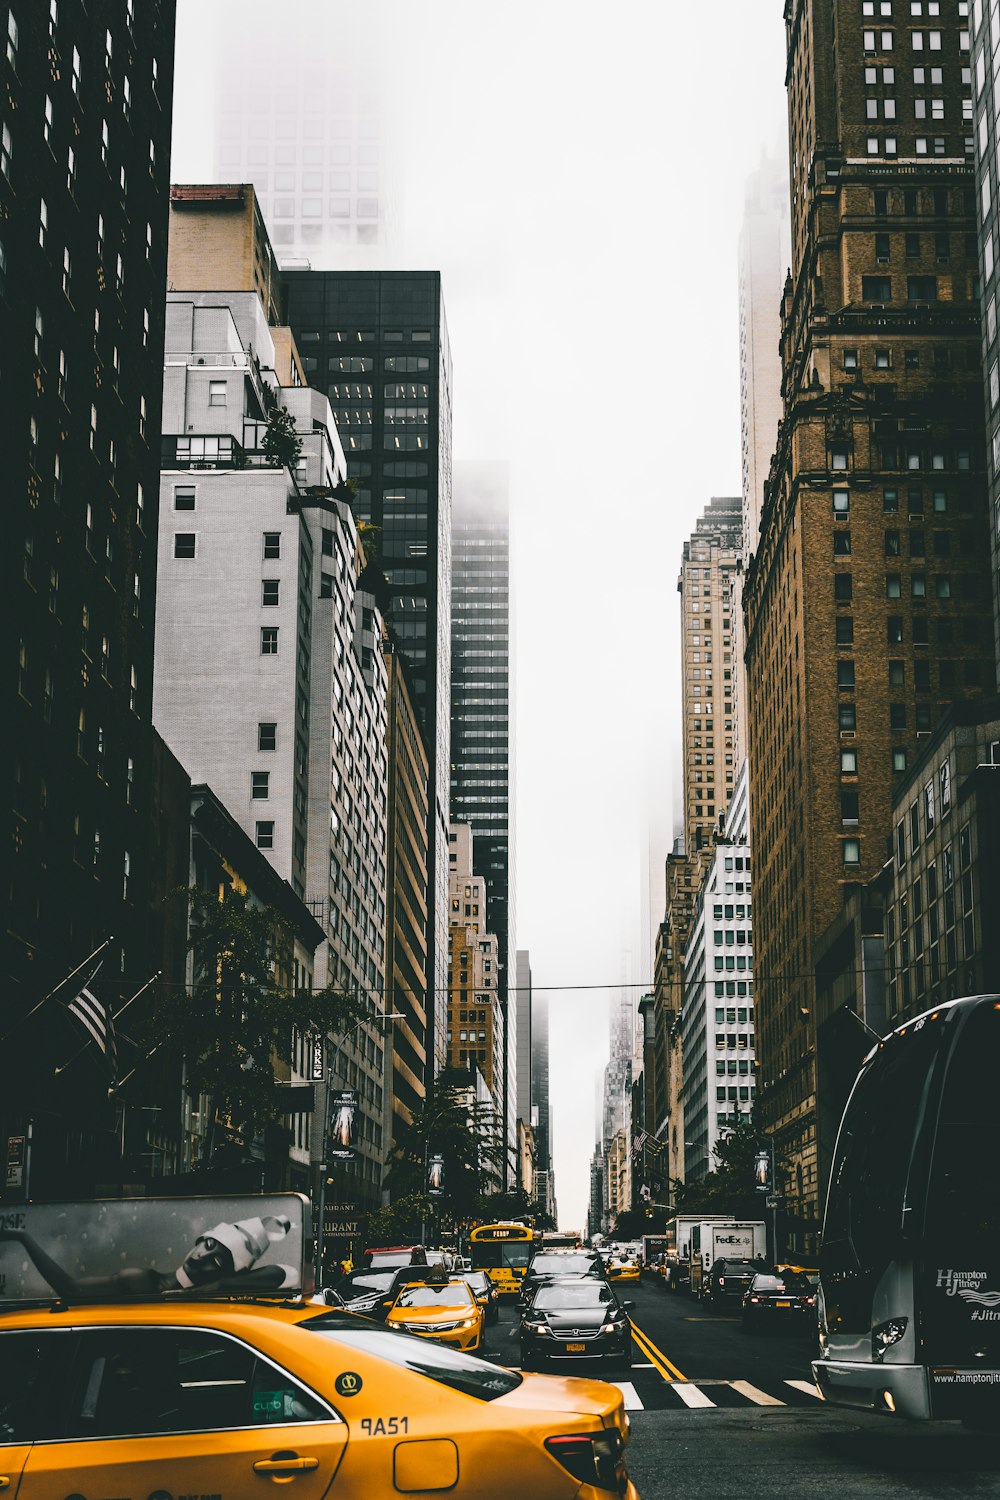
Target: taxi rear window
(462, 1372)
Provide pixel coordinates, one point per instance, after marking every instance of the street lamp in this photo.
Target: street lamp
(377, 1019)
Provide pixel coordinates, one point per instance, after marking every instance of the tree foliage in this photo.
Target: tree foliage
(282, 444)
(729, 1187)
(237, 1018)
(516, 1204)
(452, 1124)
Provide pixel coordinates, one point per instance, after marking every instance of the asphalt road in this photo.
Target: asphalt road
(719, 1413)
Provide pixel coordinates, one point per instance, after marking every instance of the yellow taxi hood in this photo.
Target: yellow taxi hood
(427, 1314)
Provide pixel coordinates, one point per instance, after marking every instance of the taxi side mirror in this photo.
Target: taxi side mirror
(628, 1305)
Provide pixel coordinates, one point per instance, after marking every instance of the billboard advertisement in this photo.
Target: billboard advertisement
(137, 1247)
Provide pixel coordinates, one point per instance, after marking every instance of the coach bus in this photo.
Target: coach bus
(560, 1239)
(909, 1296)
(503, 1251)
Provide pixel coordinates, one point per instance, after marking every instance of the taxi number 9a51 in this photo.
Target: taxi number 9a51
(384, 1426)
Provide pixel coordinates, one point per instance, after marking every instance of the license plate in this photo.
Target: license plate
(576, 1348)
(782, 1304)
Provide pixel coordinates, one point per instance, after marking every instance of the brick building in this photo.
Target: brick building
(867, 603)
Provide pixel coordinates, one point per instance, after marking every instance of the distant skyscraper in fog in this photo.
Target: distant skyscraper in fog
(481, 739)
(303, 123)
(765, 253)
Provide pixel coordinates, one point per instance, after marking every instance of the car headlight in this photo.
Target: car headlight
(536, 1327)
(618, 1327)
(467, 1323)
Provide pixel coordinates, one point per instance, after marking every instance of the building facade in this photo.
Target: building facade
(299, 680)
(984, 24)
(377, 344)
(475, 1018)
(406, 893)
(522, 999)
(867, 603)
(85, 113)
(541, 1115)
(709, 667)
(718, 1013)
(482, 779)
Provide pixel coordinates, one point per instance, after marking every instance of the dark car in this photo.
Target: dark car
(728, 1280)
(775, 1297)
(485, 1291)
(576, 1319)
(372, 1293)
(549, 1264)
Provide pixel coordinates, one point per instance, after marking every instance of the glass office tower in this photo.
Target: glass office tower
(377, 343)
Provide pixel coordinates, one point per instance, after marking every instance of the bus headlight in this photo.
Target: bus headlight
(884, 1335)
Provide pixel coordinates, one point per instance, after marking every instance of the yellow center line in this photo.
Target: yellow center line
(667, 1369)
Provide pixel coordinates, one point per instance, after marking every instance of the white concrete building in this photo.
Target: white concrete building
(718, 1010)
(270, 684)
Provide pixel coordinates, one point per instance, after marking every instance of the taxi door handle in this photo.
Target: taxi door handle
(4, 1482)
(293, 1465)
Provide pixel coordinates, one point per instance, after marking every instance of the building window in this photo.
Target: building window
(184, 543)
(845, 630)
(259, 785)
(269, 640)
(270, 592)
(267, 736)
(851, 851)
(848, 762)
(217, 392)
(841, 503)
(841, 544)
(838, 459)
(897, 715)
(847, 716)
(265, 835)
(845, 675)
(842, 588)
(184, 497)
(876, 288)
(272, 544)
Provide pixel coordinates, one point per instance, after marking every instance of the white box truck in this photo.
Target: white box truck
(678, 1235)
(732, 1240)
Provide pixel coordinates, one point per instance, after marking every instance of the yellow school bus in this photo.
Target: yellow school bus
(503, 1252)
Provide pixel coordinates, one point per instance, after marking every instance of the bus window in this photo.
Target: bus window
(868, 1203)
(964, 1191)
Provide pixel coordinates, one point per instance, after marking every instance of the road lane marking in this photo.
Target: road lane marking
(806, 1386)
(666, 1368)
(692, 1396)
(628, 1390)
(759, 1398)
(640, 1364)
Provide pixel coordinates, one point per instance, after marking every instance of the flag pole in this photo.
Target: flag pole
(119, 1012)
(123, 1081)
(46, 998)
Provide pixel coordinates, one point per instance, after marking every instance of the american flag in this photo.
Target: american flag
(639, 1142)
(96, 1019)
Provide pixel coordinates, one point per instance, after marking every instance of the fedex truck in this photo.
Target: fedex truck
(730, 1240)
(678, 1252)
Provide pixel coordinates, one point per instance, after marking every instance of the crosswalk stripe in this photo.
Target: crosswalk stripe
(691, 1395)
(758, 1397)
(807, 1386)
(628, 1390)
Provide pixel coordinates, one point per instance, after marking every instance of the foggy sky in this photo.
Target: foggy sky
(576, 172)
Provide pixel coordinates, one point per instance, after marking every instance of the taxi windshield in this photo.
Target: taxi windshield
(452, 1294)
(359, 1282)
(462, 1372)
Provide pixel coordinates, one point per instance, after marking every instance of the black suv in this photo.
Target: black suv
(546, 1265)
(728, 1280)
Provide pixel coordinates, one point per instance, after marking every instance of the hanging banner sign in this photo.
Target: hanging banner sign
(343, 1112)
(317, 1071)
(16, 1151)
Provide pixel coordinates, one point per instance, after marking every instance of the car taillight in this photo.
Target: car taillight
(722, 1281)
(754, 1299)
(592, 1459)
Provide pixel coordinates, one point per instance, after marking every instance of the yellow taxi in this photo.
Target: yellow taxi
(444, 1309)
(622, 1269)
(167, 1347)
(185, 1397)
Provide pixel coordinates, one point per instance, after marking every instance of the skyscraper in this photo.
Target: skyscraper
(304, 123)
(708, 668)
(84, 177)
(377, 344)
(867, 602)
(541, 1116)
(481, 716)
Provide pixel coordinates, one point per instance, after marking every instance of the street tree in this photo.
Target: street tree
(465, 1133)
(282, 444)
(238, 1017)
